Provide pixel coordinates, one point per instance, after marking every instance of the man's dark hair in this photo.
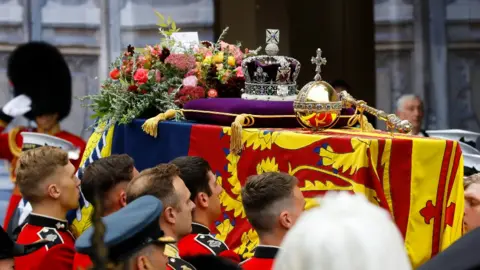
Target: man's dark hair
(194, 172)
(105, 174)
(265, 196)
(156, 181)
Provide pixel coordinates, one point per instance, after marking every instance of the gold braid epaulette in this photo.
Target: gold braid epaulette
(12, 141)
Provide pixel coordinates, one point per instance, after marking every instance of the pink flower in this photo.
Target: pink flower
(190, 81)
(141, 60)
(238, 54)
(141, 76)
(205, 51)
(181, 61)
(192, 72)
(223, 45)
(158, 76)
(239, 72)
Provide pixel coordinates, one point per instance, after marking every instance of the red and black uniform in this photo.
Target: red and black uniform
(262, 259)
(50, 92)
(201, 242)
(39, 227)
(11, 148)
(81, 261)
(59, 257)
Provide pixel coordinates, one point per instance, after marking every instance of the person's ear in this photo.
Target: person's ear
(123, 198)
(53, 191)
(170, 215)
(143, 263)
(201, 200)
(285, 220)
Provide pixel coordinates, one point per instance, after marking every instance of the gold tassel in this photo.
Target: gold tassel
(151, 125)
(242, 120)
(366, 125)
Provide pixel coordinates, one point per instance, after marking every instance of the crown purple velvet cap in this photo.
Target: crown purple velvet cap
(255, 107)
(270, 66)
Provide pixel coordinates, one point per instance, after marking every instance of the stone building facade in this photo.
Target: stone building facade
(409, 47)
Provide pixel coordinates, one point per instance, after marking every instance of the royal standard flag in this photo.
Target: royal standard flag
(419, 180)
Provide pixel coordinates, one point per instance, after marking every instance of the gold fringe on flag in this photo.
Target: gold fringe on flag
(241, 120)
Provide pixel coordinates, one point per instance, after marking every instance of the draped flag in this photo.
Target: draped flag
(99, 145)
(419, 180)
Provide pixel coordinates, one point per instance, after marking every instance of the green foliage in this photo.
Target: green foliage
(167, 27)
(116, 104)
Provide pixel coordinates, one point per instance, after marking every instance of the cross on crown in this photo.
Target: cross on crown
(319, 61)
(273, 36)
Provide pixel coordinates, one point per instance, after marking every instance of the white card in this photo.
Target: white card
(187, 38)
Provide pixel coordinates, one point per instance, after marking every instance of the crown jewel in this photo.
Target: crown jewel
(270, 77)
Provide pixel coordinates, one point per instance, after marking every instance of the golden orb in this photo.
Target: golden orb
(317, 106)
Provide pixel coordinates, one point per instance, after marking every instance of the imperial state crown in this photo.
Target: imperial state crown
(270, 77)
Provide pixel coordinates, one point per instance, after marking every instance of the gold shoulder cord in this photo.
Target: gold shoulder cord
(12, 141)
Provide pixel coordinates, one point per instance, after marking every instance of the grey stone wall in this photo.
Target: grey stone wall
(74, 26)
(396, 67)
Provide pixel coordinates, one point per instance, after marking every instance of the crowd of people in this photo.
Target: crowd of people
(160, 218)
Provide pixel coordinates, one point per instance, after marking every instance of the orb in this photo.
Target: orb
(317, 106)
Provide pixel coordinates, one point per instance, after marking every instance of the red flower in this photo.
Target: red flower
(115, 74)
(141, 76)
(132, 88)
(189, 93)
(212, 93)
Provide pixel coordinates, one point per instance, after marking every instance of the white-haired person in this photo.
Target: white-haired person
(346, 232)
(410, 107)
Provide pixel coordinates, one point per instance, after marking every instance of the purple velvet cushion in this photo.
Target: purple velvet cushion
(240, 106)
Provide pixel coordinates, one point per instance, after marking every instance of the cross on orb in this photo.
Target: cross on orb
(319, 61)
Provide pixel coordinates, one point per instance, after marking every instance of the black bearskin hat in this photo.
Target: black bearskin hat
(38, 70)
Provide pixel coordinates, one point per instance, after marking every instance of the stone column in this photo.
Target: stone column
(420, 56)
(438, 63)
(32, 20)
(110, 40)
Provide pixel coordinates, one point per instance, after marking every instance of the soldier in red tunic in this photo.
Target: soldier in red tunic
(42, 86)
(163, 182)
(46, 178)
(205, 192)
(273, 202)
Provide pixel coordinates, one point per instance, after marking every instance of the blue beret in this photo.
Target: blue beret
(128, 230)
